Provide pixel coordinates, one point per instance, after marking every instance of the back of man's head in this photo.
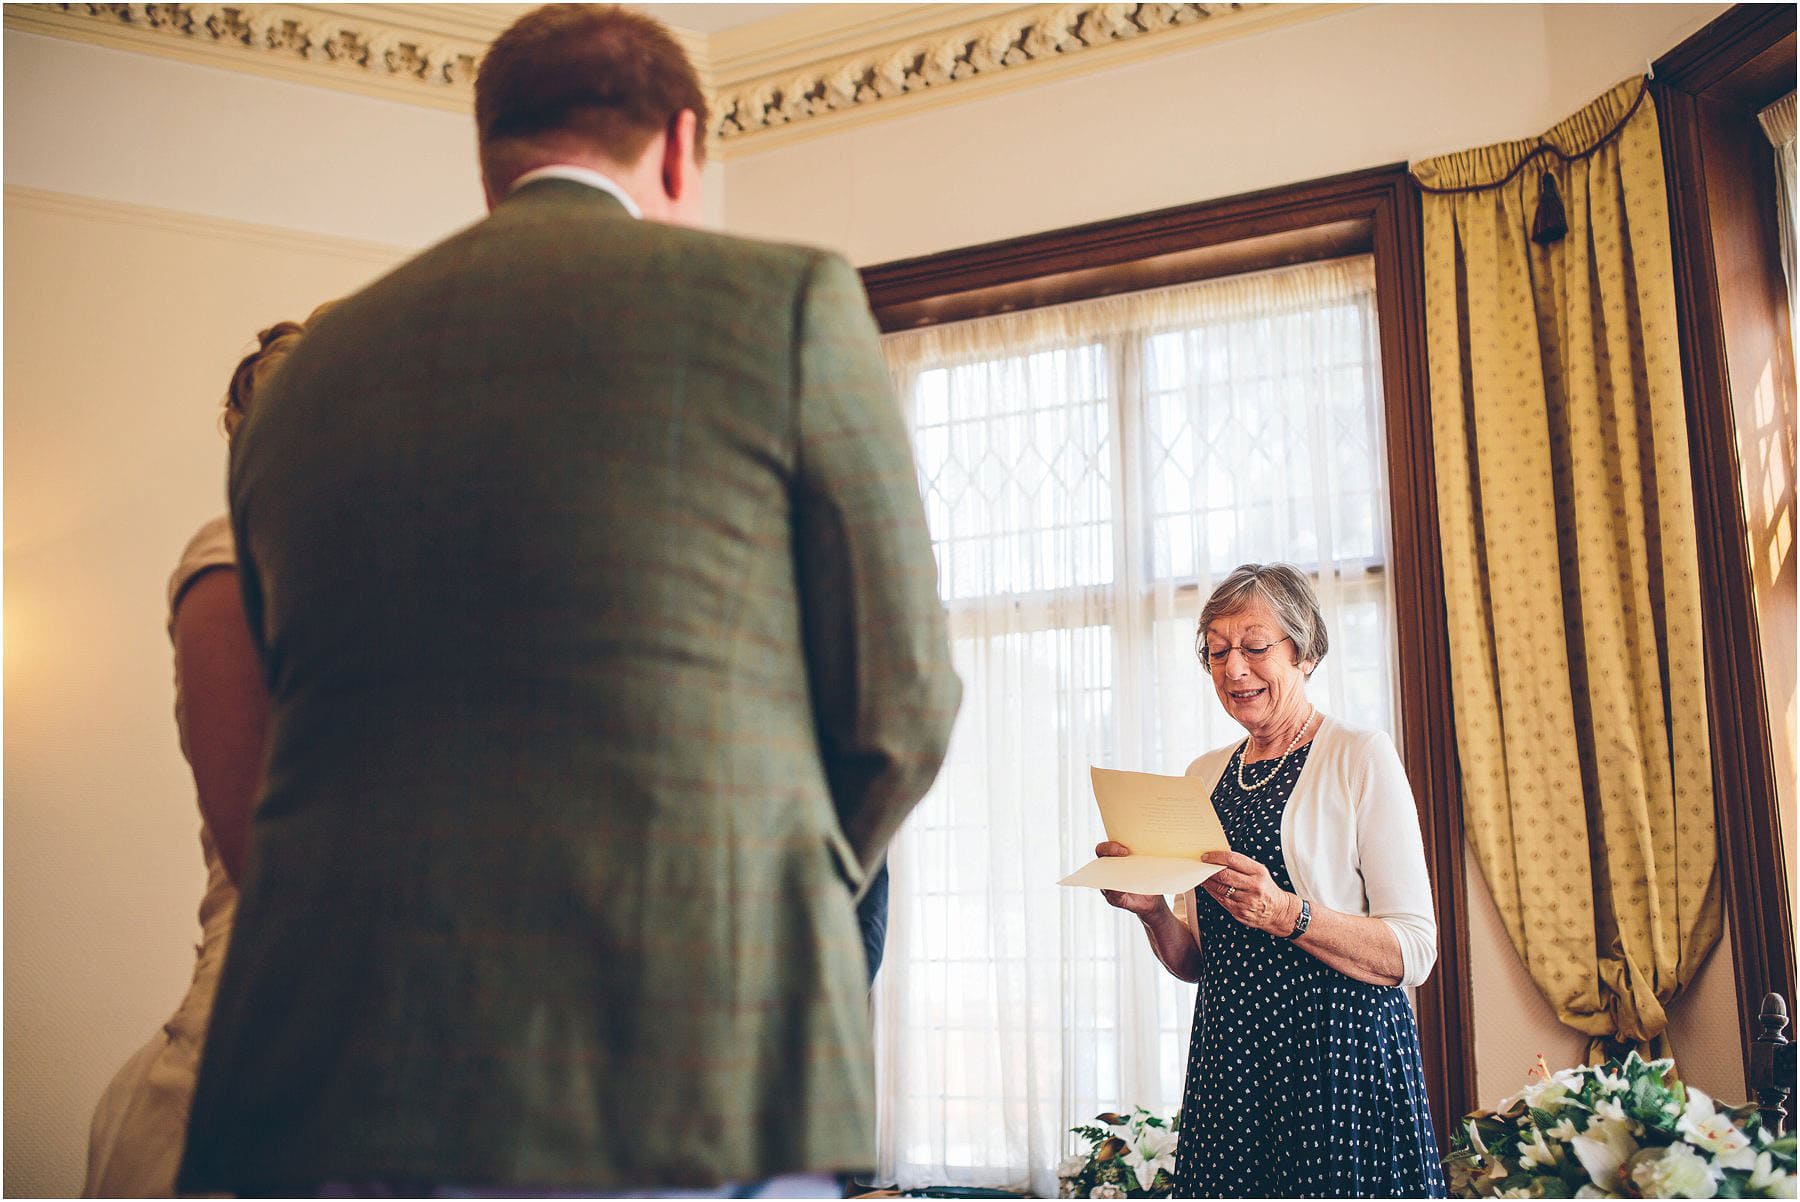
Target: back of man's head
(589, 78)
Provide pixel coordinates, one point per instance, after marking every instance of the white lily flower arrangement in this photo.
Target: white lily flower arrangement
(1128, 1156)
(1626, 1129)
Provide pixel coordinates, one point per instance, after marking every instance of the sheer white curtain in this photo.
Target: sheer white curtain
(1778, 123)
(1089, 471)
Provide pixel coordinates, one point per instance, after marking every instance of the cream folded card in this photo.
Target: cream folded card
(1168, 823)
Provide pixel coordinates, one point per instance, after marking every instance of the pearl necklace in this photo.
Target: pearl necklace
(1245, 785)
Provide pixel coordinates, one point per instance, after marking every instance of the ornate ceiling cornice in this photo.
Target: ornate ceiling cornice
(946, 51)
(348, 48)
(801, 73)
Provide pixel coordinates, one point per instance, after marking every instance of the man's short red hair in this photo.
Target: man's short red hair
(598, 75)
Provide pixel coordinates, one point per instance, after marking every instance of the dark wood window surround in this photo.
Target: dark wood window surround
(1722, 222)
(1372, 212)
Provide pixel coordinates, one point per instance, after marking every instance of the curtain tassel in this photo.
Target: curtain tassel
(1551, 223)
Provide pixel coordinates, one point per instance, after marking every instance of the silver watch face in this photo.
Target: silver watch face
(1304, 921)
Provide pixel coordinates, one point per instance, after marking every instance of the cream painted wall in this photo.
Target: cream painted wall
(122, 327)
(131, 290)
(147, 130)
(1593, 46)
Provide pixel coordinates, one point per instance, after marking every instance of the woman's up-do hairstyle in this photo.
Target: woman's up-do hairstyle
(273, 344)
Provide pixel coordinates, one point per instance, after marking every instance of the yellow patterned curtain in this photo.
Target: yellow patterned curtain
(1570, 570)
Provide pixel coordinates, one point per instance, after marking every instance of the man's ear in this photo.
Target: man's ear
(680, 171)
(489, 193)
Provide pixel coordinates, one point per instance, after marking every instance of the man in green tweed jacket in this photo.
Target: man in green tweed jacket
(591, 579)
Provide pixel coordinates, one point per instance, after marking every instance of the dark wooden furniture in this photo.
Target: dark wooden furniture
(1772, 1063)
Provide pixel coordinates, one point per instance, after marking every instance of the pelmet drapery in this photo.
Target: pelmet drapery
(1570, 566)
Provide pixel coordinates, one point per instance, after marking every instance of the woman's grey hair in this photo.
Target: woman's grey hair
(1286, 590)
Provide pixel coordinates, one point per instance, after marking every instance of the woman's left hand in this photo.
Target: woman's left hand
(1249, 894)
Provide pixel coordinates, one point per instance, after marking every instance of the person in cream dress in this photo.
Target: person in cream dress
(221, 713)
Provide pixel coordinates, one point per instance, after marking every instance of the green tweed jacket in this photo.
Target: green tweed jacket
(591, 579)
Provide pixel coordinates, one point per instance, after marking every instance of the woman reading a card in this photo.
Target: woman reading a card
(1304, 1076)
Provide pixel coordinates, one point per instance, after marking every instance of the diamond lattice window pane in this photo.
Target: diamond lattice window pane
(1088, 473)
(1015, 464)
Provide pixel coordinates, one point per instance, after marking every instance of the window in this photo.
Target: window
(1089, 471)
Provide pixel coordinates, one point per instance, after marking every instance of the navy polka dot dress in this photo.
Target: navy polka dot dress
(1301, 1081)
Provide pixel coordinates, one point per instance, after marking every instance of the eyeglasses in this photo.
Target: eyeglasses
(1213, 658)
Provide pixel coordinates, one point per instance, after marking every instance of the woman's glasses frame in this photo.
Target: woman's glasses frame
(1212, 660)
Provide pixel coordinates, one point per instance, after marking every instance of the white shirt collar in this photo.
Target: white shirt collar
(580, 175)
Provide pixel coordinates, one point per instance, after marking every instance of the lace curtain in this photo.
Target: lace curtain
(1089, 471)
(1778, 123)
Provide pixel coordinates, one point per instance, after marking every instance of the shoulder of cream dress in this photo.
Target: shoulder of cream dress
(211, 547)
(135, 1140)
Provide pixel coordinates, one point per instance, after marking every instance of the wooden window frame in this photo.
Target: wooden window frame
(1721, 182)
(1373, 212)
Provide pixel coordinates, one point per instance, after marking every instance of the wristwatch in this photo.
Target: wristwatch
(1302, 922)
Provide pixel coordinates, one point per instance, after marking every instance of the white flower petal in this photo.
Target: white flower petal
(1602, 1152)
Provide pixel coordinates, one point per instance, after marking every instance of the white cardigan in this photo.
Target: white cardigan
(1350, 837)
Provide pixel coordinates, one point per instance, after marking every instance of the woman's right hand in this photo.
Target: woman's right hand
(1141, 904)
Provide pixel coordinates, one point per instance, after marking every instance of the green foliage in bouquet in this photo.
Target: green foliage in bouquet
(1128, 1156)
(1625, 1129)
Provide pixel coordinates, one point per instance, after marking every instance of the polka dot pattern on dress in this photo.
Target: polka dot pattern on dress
(1301, 1081)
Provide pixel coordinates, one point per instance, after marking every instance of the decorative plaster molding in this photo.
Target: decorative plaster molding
(811, 71)
(1031, 35)
(305, 43)
(297, 33)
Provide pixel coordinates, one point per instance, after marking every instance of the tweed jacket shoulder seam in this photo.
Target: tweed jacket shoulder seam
(797, 332)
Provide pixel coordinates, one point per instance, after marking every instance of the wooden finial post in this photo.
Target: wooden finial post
(1772, 1063)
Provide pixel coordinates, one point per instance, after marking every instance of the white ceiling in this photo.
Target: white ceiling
(483, 22)
(713, 18)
